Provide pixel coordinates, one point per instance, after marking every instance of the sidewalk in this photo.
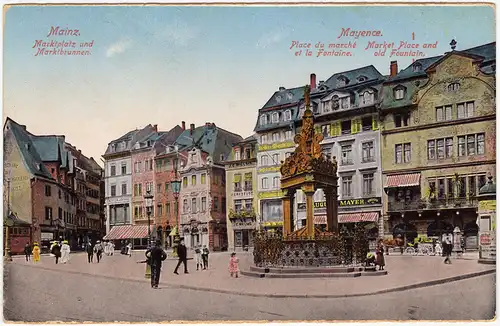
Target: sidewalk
(404, 272)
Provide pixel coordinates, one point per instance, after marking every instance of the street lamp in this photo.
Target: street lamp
(176, 188)
(148, 198)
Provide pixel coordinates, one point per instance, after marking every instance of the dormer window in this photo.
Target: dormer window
(288, 115)
(278, 98)
(263, 119)
(417, 67)
(362, 79)
(275, 117)
(113, 147)
(342, 81)
(366, 98)
(289, 96)
(453, 87)
(399, 92)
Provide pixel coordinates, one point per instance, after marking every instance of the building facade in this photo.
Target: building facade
(345, 109)
(438, 142)
(118, 177)
(274, 131)
(241, 194)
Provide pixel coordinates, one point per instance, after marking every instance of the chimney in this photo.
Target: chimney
(183, 125)
(281, 89)
(313, 81)
(191, 128)
(394, 68)
(80, 151)
(155, 128)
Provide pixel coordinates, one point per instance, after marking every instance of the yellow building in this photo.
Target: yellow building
(438, 142)
(241, 194)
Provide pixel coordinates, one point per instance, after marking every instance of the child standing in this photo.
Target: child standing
(36, 253)
(199, 261)
(233, 265)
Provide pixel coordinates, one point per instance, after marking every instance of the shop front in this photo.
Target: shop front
(243, 229)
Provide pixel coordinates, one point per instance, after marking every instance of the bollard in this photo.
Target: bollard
(148, 271)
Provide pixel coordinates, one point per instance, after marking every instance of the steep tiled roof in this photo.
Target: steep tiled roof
(285, 96)
(369, 72)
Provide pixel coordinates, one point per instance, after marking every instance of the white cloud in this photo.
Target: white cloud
(118, 47)
(270, 38)
(178, 33)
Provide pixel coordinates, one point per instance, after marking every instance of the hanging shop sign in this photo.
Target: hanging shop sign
(346, 203)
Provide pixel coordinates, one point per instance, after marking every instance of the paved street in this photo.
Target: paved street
(34, 294)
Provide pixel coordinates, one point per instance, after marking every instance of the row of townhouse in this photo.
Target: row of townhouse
(413, 148)
(147, 162)
(51, 190)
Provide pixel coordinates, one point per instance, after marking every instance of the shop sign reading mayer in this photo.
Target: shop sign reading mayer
(347, 202)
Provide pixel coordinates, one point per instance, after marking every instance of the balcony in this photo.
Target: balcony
(242, 213)
(242, 192)
(346, 161)
(433, 204)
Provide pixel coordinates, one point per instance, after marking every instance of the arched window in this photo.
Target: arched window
(399, 92)
(288, 115)
(265, 183)
(417, 67)
(453, 87)
(275, 117)
(278, 98)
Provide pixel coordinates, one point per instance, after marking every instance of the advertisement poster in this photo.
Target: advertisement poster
(164, 162)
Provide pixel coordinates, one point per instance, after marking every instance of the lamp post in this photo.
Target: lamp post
(176, 188)
(148, 198)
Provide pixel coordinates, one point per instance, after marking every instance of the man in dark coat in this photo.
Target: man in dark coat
(56, 251)
(204, 256)
(90, 252)
(27, 251)
(155, 257)
(182, 253)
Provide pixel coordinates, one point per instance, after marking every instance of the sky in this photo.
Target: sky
(166, 64)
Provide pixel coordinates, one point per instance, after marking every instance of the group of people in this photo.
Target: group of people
(96, 249)
(201, 255)
(58, 250)
(35, 251)
(377, 259)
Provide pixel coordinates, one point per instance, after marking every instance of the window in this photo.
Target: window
(263, 119)
(248, 153)
(453, 87)
(48, 213)
(159, 187)
(193, 205)
(461, 146)
(346, 154)
(264, 160)
(288, 115)
(471, 145)
(366, 98)
(346, 127)
(366, 123)
(472, 186)
(203, 178)
(449, 187)
(264, 182)
(275, 117)
(236, 155)
(442, 147)
(403, 153)
(248, 181)
(216, 204)
(399, 93)
(276, 182)
(276, 159)
(159, 210)
(347, 186)
(184, 182)
(443, 113)
(480, 144)
(203, 204)
(48, 191)
(124, 168)
(113, 170)
(465, 110)
(288, 134)
(401, 120)
(441, 189)
(461, 187)
(113, 191)
(149, 187)
(185, 206)
(276, 137)
(431, 149)
(238, 205)
(417, 67)
(368, 184)
(138, 211)
(124, 189)
(263, 139)
(193, 180)
(368, 152)
(167, 209)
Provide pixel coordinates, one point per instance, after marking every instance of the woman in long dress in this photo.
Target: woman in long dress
(36, 252)
(65, 250)
(380, 255)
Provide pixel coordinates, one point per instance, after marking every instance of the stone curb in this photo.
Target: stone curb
(263, 295)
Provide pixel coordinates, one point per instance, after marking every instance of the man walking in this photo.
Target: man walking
(98, 250)
(56, 251)
(27, 251)
(182, 253)
(90, 252)
(447, 248)
(155, 257)
(204, 256)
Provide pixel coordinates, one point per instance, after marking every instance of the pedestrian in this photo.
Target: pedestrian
(56, 251)
(27, 251)
(204, 256)
(380, 255)
(182, 254)
(111, 248)
(36, 252)
(90, 252)
(65, 250)
(129, 249)
(447, 249)
(98, 250)
(155, 256)
(199, 260)
(233, 265)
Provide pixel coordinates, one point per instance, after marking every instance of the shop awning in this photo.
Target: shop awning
(403, 180)
(127, 232)
(358, 217)
(319, 219)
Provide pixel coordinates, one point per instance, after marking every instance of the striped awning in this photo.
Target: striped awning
(358, 217)
(403, 180)
(127, 232)
(319, 219)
